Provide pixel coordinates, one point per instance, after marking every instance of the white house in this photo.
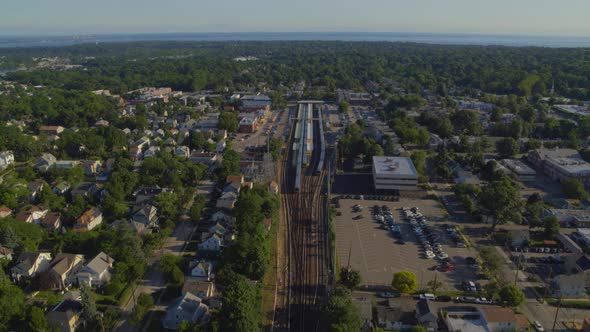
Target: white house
(97, 272)
(188, 307)
(203, 270)
(212, 243)
(6, 158)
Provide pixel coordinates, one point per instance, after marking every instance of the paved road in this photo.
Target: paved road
(154, 280)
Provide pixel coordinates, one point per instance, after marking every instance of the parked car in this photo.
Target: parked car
(427, 296)
(483, 300)
(461, 245)
(387, 295)
(444, 298)
(538, 326)
(467, 299)
(429, 254)
(358, 217)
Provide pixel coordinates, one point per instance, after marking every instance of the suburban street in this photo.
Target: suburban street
(154, 280)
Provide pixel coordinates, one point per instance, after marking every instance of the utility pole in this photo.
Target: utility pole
(517, 269)
(556, 313)
(547, 284)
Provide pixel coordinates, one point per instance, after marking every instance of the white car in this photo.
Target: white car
(483, 300)
(443, 255)
(429, 254)
(538, 326)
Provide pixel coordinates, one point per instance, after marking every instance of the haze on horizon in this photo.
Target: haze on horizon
(515, 17)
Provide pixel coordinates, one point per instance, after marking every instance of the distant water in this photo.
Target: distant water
(429, 38)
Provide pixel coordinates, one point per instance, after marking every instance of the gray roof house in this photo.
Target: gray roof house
(188, 307)
(31, 263)
(97, 272)
(64, 268)
(203, 270)
(146, 214)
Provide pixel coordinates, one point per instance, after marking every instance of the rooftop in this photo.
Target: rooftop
(518, 167)
(394, 166)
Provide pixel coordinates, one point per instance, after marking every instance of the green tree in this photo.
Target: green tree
(404, 282)
(12, 302)
(167, 204)
(507, 147)
(343, 107)
(89, 313)
(145, 303)
(573, 188)
(241, 309)
(350, 278)
(340, 313)
(231, 163)
(36, 320)
(511, 295)
(434, 284)
(418, 328)
(170, 265)
(228, 121)
(500, 201)
(491, 259)
(551, 227)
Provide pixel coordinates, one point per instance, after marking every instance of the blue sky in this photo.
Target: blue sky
(528, 17)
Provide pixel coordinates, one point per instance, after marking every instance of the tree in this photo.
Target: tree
(241, 309)
(231, 163)
(167, 204)
(511, 295)
(88, 302)
(145, 302)
(573, 188)
(423, 137)
(229, 121)
(343, 106)
(340, 313)
(551, 225)
(507, 147)
(404, 282)
(501, 202)
(491, 259)
(170, 265)
(12, 301)
(36, 320)
(418, 328)
(350, 278)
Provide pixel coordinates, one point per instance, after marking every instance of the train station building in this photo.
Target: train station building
(394, 173)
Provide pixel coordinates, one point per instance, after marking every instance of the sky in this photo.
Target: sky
(79, 17)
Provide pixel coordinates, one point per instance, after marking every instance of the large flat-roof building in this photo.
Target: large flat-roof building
(561, 164)
(394, 173)
(520, 170)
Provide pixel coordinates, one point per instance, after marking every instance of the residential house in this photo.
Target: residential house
(24, 216)
(499, 319)
(273, 187)
(225, 219)
(210, 159)
(30, 264)
(5, 212)
(212, 243)
(203, 270)
(35, 189)
(91, 167)
(146, 214)
(220, 146)
(6, 159)
(97, 272)
(201, 288)
(145, 195)
(61, 188)
(227, 200)
(52, 221)
(426, 316)
(86, 189)
(65, 316)
(137, 147)
(5, 253)
(66, 164)
(569, 286)
(51, 130)
(89, 220)
(182, 151)
(151, 151)
(218, 229)
(101, 123)
(64, 268)
(187, 307)
(46, 161)
(399, 314)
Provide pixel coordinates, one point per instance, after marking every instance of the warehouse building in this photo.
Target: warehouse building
(394, 173)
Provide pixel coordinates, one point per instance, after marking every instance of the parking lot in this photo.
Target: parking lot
(377, 254)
